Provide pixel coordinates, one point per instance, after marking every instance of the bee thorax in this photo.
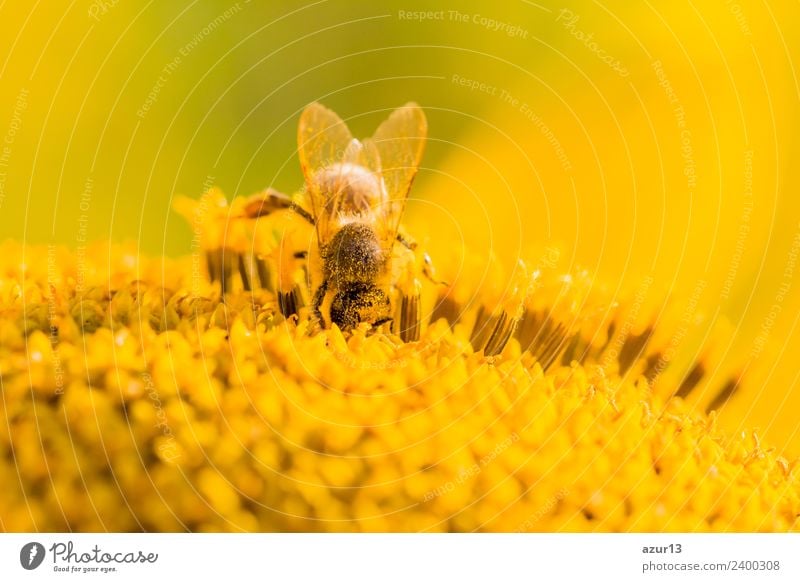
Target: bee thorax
(350, 189)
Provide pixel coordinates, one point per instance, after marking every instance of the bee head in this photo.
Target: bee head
(357, 303)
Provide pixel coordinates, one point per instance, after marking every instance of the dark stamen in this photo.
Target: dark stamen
(691, 380)
(409, 320)
(287, 302)
(243, 272)
(263, 273)
(480, 329)
(446, 308)
(633, 348)
(724, 395)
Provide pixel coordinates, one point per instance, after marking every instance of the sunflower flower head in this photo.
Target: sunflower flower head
(138, 397)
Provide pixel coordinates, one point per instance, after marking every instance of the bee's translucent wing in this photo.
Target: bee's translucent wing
(369, 180)
(322, 138)
(399, 142)
(323, 141)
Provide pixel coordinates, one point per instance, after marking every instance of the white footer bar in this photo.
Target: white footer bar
(401, 557)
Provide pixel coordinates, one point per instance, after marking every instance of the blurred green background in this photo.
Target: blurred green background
(149, 100)
(642, 139)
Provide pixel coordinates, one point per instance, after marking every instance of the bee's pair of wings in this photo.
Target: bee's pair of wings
(392, 156)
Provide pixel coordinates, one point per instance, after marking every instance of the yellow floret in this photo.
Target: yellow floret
(152, 407)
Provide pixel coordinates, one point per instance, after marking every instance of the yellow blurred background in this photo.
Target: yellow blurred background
(641, 139)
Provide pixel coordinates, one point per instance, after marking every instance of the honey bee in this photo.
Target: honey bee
(363, 267)
(354, 263)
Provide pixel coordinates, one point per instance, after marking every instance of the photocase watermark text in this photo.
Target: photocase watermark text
(490, 24)
(198, 220)
(522, 107)
(687, 150)
(100, 8)
(20, 105)
(744, 225)
(789, 269)
(467, 473)
(544, 510)
(169, 69)
(52, 314)
(82, 237)
(168, 450)
(569, 20)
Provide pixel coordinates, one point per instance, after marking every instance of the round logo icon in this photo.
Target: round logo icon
(31, 555)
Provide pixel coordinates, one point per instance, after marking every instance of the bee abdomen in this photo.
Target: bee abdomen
(359, 302)
(354, 255)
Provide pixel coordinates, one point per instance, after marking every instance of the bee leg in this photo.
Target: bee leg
(427, 268)
(271, 201)
(319, 297)
(407, 242)
(429, 271)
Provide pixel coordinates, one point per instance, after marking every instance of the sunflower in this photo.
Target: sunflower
(136, 395)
